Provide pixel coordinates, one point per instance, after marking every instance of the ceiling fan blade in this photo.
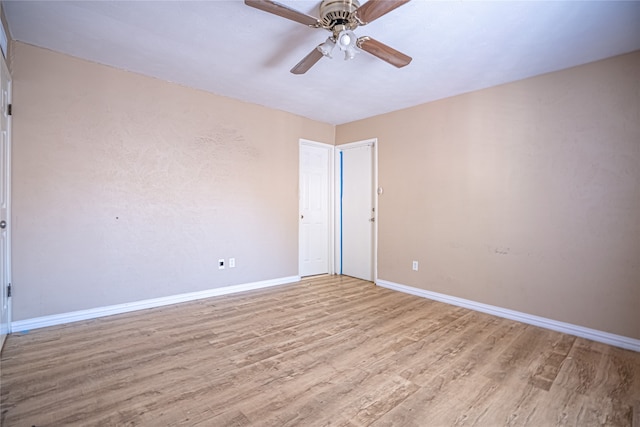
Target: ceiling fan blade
(307, 62)
(284, 11)
(384, 52)
(374, 9)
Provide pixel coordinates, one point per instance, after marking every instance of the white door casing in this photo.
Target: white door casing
(357, 227)
(5, 200)
(315, 237)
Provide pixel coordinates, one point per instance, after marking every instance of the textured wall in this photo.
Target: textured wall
(524, 196)
(128, 188)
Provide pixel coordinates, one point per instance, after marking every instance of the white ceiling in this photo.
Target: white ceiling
(228, 48)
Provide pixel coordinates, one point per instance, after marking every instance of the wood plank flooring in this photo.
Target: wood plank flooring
(328, 351)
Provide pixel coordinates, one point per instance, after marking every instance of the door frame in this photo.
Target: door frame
(373, 142)
(330, 202)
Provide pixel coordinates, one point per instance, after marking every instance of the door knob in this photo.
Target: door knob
(3, 224)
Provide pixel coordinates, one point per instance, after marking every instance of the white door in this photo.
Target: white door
(314, 232)
(5, 198)
(357, 210)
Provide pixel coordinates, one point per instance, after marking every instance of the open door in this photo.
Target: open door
(357, 209)
(5, 200)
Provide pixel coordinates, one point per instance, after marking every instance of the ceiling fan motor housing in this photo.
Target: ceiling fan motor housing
(340, 13)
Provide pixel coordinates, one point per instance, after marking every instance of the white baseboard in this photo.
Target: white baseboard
(75, 316)
(567, 328)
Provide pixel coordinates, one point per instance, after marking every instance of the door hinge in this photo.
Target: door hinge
(9, 109)
(9, 291)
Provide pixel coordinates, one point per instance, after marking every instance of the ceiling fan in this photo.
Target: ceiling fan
(341, 18)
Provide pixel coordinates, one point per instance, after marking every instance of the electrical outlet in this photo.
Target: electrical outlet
(221, 264)
(415, 266)
(232, 262)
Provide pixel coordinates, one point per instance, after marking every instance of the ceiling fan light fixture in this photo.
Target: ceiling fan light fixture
(346, 41)
(349, 54)
(327, 47)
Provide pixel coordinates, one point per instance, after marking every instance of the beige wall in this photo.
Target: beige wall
(128, 188)
(524, 196)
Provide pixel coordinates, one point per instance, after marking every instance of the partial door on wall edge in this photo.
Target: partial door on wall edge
(5, 201)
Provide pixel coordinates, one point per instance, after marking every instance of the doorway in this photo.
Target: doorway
(315, 196)
(356, 209)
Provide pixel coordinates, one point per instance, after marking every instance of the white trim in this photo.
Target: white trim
(9, 195)
(75, 316)
(567, 328)
(376, 212)
(357, 144)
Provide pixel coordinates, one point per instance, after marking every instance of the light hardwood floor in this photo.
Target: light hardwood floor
(329, 351)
